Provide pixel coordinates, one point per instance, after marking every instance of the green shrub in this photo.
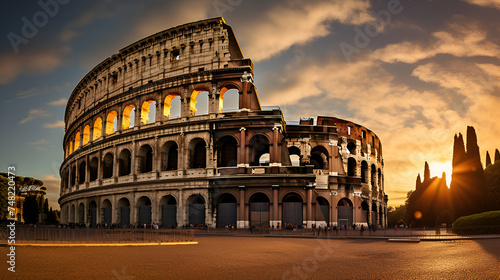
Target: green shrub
(482, 223)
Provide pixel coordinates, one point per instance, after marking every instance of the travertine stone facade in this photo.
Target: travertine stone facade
(129, 159)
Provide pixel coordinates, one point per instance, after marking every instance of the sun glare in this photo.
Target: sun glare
(437, 169)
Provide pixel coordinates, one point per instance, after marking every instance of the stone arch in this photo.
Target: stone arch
(351, 166)
(171, 99)
(128, 117)
(86, 135)
(292, 210)
(344, 212)
(196, 209)
(229, 96)
(295, 155)
(144, 210)
(107, 166)
(82, 172)
(92, 218)
(93, 168)
(226, 210)
(364, 172)
(106, 213)
(125, 163)
(72, 180)
(111, 122)
(322, 210)
(169, 156)
(351, 147)
(227, 151)
(72, 214)
(364, 211)
(168, 208)
(194, 107)
(145, 159)
(259, 145)
(197, 153)
(374, 213)
(81, 213)
(319, 157)
(77, 140)
(97, 128)
(148, 111)
(259, 210)
(374, 176)
(123, 207)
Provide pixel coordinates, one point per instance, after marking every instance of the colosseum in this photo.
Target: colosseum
(170, 130)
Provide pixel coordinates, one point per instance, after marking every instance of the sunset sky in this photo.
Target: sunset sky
(415, 72)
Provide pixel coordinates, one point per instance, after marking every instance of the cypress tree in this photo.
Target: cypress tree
(458, 150)
(427, 173)
(488, 159)
(497, 155)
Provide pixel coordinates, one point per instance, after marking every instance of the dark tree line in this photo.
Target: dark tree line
(472, 189)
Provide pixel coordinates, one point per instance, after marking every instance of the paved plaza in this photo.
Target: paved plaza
(263, 258)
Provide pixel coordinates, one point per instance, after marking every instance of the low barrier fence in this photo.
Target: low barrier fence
(40, 235)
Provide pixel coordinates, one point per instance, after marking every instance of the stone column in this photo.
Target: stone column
(241, 153)
(274, 153)
(275, 215)
(116, 165)
(99, 168)
(309, 207)
(241, 209)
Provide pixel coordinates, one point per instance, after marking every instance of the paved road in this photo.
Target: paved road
(263, 258)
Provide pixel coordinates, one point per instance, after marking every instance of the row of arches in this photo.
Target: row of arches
(147, 112)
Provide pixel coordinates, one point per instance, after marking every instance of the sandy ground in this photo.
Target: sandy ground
(262, 258)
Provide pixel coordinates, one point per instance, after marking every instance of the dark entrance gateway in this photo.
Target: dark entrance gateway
(259, 211)
(226, 210)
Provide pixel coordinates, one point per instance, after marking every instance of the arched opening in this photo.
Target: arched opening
(148, 111)
(77, 140)
(72, 214)
(196, 210)
(81, 213)
(292, 210)
(71, 146)
(145, 159)
(351, 148)
(94, 165)
(97, 128)
(86, 135)
(82, 172)
(381, 215)
(259, 145)
(144, 210)
(197, 153)
(124, 211)
(374, 213)
(322, 210)
(198, 104)
(128, 118)
(374, 176)
(259, 210)
(168, 206)
(92, 218)
(229, 99)
(106, 212)
(172, 106)
(124, 163)
(226, 210)
(351, 167)
(72, 179)
(227, 152)
(344, 212)
(364, 171)
(111, 122)
(319, 157)
(379, 176)
(169, 156)
(364, 212)
(107, 166)
(295, 156)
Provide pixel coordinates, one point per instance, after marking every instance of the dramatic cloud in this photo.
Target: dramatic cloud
(34, 113)
(485, 3)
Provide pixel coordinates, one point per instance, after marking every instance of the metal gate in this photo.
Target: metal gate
(169, 215)
(226, 214)
(107, 215)
(125, 216)
(93, 216)
(292, 213)
(197, 214)
(259, 214)
(325, 212)
(345, 213)
(145, 214)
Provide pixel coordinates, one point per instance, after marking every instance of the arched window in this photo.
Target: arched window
(111, 122)
(86, 135)
(344, 212)
(227, 152)
(364, 171)
(144, 213)
(374, 176)
(319, 157)
(107, 166)
(351, 167)
(294, 155)
(259, 145)
(168, 207)
(172, 106)
(197, 153)
(229, 99)
(292, 210)
(82, 172)
(169, 156)
(124, 163)
(198, 103)
(77, 140)
(94, 164)
(196, 209)
(73, 176)
(71, 146)
(145, 159)
(124, 212)
(148, 111)
(106, 212)
(351, 148)
(97, 128)
(128, 119)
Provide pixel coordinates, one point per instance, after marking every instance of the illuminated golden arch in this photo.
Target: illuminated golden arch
(97, 128)
(77, 140)
(222, 92)
(168, 104)
(145, 110)
(110, 122)
(192, 100)
(86, 135)
(71, 147)
(126, 120)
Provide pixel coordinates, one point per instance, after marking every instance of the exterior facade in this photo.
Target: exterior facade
(149, 139)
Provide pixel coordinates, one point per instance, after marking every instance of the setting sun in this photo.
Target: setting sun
(437, 169)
